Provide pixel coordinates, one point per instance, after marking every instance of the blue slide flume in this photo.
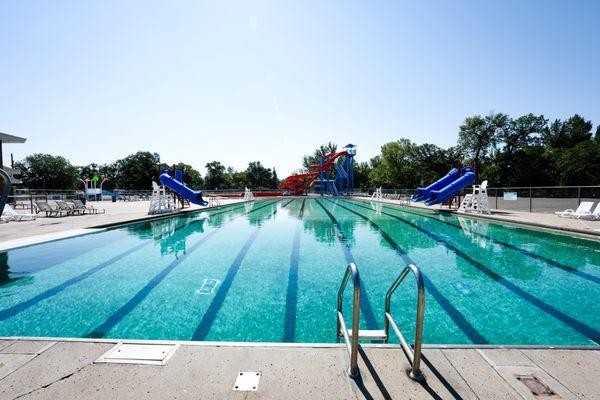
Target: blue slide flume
(182, 190)
(446, 187)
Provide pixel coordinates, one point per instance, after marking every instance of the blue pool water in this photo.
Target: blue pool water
(269, 271)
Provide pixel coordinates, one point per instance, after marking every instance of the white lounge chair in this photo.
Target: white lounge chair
(583, 209)
(11, 215)
(593, 215)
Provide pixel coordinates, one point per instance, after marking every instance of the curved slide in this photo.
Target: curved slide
(445, 187)
(182, 190)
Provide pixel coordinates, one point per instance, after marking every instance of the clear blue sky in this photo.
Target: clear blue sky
(269, 81)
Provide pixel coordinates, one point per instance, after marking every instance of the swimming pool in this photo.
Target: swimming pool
(269, 271)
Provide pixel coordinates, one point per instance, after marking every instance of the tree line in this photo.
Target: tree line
(506, 151)
(524, 151)
(137, 172)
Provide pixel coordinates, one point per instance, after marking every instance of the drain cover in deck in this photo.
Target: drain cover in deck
(149, 354)
(247, 381)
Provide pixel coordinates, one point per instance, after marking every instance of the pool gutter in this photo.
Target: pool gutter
(296, 345)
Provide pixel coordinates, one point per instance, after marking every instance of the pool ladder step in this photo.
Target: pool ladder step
(367, 334)
(412, 352)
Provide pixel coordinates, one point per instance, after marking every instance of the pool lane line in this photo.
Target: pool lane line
(581, 327)
(102, 329)
(211, 313)
(365, 306)
(243, 205)
(291, 297)
(459, 319)
(19, 307)
(531, 254)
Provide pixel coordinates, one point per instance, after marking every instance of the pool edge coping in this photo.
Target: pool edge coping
(293, 345)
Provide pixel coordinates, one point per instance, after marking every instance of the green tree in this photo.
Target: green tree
(569, 133)
(315, 157)
(191, 177)
(235, 179)
(257, 176)
(478, 135)
(137, 171)
(361, 176)
(523, 132)
(45, 171)
(215, 176)
(394, 168)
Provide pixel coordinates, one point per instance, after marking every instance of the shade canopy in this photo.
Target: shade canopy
(6, 138)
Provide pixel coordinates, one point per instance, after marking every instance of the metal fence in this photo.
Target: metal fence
(540, 199)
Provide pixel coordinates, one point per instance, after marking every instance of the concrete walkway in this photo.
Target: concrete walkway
(66, 370)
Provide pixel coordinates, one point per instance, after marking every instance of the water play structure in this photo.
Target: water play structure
(446, 187)
(175, 183)
(334, 175)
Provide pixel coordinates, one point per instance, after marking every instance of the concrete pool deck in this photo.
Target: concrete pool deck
(33, 369)
(14, 234)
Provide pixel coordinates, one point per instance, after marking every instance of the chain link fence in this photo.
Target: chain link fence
(539, 199)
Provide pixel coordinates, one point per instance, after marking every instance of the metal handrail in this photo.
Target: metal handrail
(413, 355)
(351, 343)
(213, 202)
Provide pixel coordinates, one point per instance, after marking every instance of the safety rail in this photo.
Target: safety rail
(413, 355)
(351, 342)
(214, 202)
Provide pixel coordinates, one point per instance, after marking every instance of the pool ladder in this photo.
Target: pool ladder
(413, 353)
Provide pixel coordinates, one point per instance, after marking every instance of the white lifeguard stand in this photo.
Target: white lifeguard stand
(477, 202)
(248, 195)
(160, 201)
(377, 194)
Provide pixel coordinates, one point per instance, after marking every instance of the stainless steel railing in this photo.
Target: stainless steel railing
(351, 343)
(413, 354)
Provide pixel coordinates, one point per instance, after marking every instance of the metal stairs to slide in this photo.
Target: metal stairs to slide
(412, 353)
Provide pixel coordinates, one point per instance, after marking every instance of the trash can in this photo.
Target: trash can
(113, 198)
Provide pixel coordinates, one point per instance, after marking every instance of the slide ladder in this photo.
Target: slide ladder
(352, 336)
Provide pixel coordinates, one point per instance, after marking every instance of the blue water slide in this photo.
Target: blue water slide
(439, 196)
(182, 190)
(425, 193)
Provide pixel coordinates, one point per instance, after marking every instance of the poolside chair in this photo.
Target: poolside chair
(69, 209)
(49, 209)
(10, 214)
(91, 209)
(583, 209)
(594, 216)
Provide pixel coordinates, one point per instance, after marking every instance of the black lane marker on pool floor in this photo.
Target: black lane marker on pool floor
(123, 311)
(531, 254)
(365, 304)
(17, 308)
(243, 205)
(213, 309)
(579, 326)
(456, 316)
(291, 298)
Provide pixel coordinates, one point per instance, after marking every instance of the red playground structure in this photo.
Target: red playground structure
(298, 184)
